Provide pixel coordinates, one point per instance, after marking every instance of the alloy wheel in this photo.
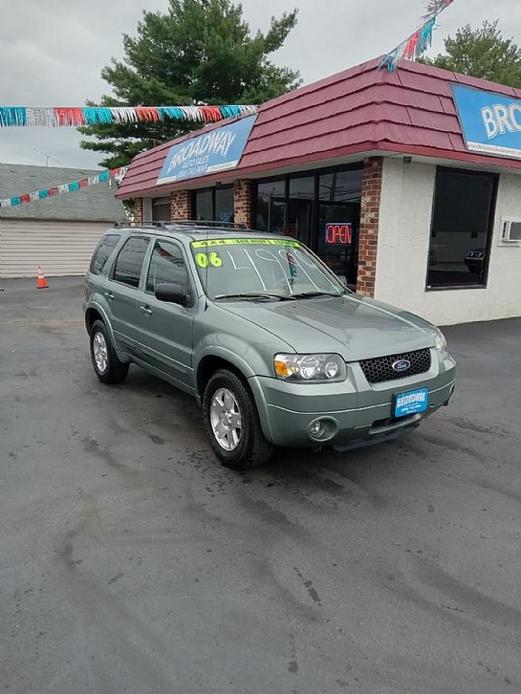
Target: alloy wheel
(226, 419)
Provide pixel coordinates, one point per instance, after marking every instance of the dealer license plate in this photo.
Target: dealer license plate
(412, 402)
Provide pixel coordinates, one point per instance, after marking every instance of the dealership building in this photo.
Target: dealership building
(407, 184)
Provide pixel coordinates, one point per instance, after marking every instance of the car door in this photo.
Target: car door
(166, 328)
(122, 292)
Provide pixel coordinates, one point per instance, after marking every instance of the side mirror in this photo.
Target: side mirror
(172, 293)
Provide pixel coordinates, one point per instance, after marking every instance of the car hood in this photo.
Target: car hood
(355, 327)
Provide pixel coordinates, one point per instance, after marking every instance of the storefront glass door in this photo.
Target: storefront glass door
(300, 208)
(320, 209)
(271, 207)
(338, 225)
(339, 195)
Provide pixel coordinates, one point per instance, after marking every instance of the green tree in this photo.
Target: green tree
(482, 52)
(198, 51)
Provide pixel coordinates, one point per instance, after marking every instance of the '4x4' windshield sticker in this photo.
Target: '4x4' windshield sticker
(245, 242)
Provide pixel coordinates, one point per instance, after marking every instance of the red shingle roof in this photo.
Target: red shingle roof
(362, 109)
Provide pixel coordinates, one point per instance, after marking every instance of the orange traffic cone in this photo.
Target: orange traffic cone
(41, 282)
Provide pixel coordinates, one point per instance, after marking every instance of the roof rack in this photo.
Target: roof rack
(190, 223)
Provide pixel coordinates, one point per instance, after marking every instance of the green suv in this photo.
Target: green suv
(273, 346)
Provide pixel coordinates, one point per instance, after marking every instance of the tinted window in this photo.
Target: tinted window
(341, 186)
(462, 220)
(166, 265)
(204, 205)
(302, 188)
(103, 253)
(130, 261)
(224, 205)
(271, 206)
(161, 210)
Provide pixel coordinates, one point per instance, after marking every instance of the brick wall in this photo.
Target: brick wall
(369, 224)
(242, 202)
(138, 210)
(181, 205)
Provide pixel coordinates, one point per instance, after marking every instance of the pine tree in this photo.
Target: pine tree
(198, 51)
(482, 52)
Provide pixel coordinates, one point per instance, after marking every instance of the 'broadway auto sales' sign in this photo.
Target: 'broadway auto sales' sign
(490, 122)
(219, 149)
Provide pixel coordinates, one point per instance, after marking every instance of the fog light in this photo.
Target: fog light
(323, 429)
(317, 428)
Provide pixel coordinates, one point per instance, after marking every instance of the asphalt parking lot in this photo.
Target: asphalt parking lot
(131, 561)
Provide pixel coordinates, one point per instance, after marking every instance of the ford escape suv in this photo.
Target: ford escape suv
(274, 348)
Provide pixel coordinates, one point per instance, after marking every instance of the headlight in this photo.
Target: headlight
(310, 367)
(440, 341)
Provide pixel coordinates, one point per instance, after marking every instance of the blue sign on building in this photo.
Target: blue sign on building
(219, 149)
(491, 122)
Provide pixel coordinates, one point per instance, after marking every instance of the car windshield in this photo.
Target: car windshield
(261, 270)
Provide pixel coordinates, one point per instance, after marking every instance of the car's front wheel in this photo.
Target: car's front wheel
(108, 368)
(232, 422)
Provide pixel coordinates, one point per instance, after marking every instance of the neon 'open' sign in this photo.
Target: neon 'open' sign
(339, 234)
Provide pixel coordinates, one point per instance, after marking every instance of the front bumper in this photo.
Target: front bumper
(357, 413)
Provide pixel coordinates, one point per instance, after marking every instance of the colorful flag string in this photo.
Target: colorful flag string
(25, 116)
(418, 43)
(101, 177)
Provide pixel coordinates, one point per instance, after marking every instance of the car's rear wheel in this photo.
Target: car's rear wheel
(232, 422)
(108, 368)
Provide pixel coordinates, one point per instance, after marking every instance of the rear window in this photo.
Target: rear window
(103, 253)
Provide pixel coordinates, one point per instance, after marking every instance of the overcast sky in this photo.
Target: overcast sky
(53, 51)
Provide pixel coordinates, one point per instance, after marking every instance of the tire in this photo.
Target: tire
(249, 448)
(110, 370)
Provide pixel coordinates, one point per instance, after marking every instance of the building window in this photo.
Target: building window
(301, 197)
(321, 209)
(340, 193)
(223, 201)
(204, 205)
(215, 204)
(463, 216)
(271, 206)
(161, 210)
(341, 186)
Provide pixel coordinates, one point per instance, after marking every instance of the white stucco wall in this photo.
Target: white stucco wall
(403, 248)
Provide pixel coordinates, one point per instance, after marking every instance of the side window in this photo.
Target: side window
(103, 253)
(166, 265)
(130, 261)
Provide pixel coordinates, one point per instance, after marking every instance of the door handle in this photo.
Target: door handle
(146, 310)
(109, 295)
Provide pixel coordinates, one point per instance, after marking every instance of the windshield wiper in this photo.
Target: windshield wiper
(253, 297)
(313, 295)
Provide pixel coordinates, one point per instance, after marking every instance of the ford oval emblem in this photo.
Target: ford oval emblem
(401, 365)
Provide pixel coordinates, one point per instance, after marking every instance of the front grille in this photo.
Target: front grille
(381, 369)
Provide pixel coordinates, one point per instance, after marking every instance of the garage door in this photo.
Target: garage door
(61, 248)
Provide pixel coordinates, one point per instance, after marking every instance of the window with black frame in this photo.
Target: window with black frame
(320, 209)
(271, 206)
(161, 210)
(463, 215)
(204, 205)
(340, 193)
(224, 204)
(215, 204)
